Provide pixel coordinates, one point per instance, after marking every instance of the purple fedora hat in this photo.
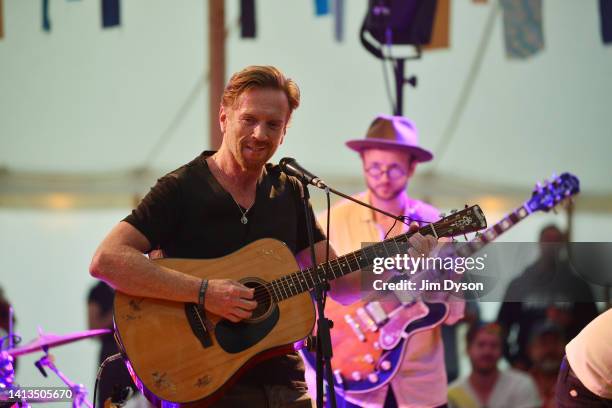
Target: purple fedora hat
(392, 132)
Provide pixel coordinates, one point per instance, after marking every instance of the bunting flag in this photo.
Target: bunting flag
(110, 13)
(523, 33)
(339, 20)
(605, 14)
(46, 21)
(248, 28)
(321, 7)
(1, 20)
(440, 32)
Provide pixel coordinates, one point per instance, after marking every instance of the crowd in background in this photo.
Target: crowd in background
(534, 324)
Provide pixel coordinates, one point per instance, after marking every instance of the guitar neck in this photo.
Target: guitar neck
(466, 249)
(306, 280)
(493, 232)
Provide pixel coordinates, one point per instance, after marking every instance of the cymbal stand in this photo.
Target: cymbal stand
(79, 392)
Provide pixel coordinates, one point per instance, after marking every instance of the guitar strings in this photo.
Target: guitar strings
(273, 289)
(286, 284)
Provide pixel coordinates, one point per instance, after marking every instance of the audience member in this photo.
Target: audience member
(546, 349)
(487, 386)
(547, 289)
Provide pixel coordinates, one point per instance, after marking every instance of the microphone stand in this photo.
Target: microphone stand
(323, 337)
(399, 218)
(324, 352)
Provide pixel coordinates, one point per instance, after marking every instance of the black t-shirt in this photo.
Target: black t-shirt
(187, 214)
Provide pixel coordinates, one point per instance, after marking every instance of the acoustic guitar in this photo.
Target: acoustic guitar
(182, 355)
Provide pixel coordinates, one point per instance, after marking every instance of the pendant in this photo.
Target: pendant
(244, 219)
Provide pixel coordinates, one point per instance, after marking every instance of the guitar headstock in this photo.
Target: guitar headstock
(470, 219)
(546, 196)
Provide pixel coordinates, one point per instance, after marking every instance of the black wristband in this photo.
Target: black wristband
(202, 293)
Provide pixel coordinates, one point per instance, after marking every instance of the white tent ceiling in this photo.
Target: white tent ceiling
(100, 104)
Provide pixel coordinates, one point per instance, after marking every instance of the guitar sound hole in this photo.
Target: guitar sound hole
(264, 300)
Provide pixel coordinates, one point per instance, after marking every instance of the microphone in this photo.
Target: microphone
(289, 166)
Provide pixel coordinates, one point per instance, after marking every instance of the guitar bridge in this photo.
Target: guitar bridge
(197, 323)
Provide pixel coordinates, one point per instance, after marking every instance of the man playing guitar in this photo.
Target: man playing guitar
(215, 205)
(390, 153)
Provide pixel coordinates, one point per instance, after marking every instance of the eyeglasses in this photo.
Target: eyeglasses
(394, 171)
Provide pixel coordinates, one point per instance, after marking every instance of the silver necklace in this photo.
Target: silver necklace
(244, 218)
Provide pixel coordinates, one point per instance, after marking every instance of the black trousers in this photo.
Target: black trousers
(571, 393)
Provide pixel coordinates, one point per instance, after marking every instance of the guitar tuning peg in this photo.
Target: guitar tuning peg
(453, 211)
(466, 206)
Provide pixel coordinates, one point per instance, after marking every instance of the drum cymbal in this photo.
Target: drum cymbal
(54, 340)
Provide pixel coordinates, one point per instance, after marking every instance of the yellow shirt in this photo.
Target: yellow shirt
(421, 381)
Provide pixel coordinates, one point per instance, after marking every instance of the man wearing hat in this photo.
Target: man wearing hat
(390, 153)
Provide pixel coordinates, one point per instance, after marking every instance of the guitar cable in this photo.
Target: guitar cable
(99, 374)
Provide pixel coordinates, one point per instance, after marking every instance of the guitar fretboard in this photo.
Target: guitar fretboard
(305, 280)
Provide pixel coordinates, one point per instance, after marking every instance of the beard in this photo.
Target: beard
(391, 195)
(253, 161)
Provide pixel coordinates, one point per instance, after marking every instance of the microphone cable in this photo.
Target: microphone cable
(99, 374)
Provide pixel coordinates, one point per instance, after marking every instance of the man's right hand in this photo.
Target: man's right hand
(229, 299)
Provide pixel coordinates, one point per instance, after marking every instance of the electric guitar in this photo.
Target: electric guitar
(370, 337)
(182, 355)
